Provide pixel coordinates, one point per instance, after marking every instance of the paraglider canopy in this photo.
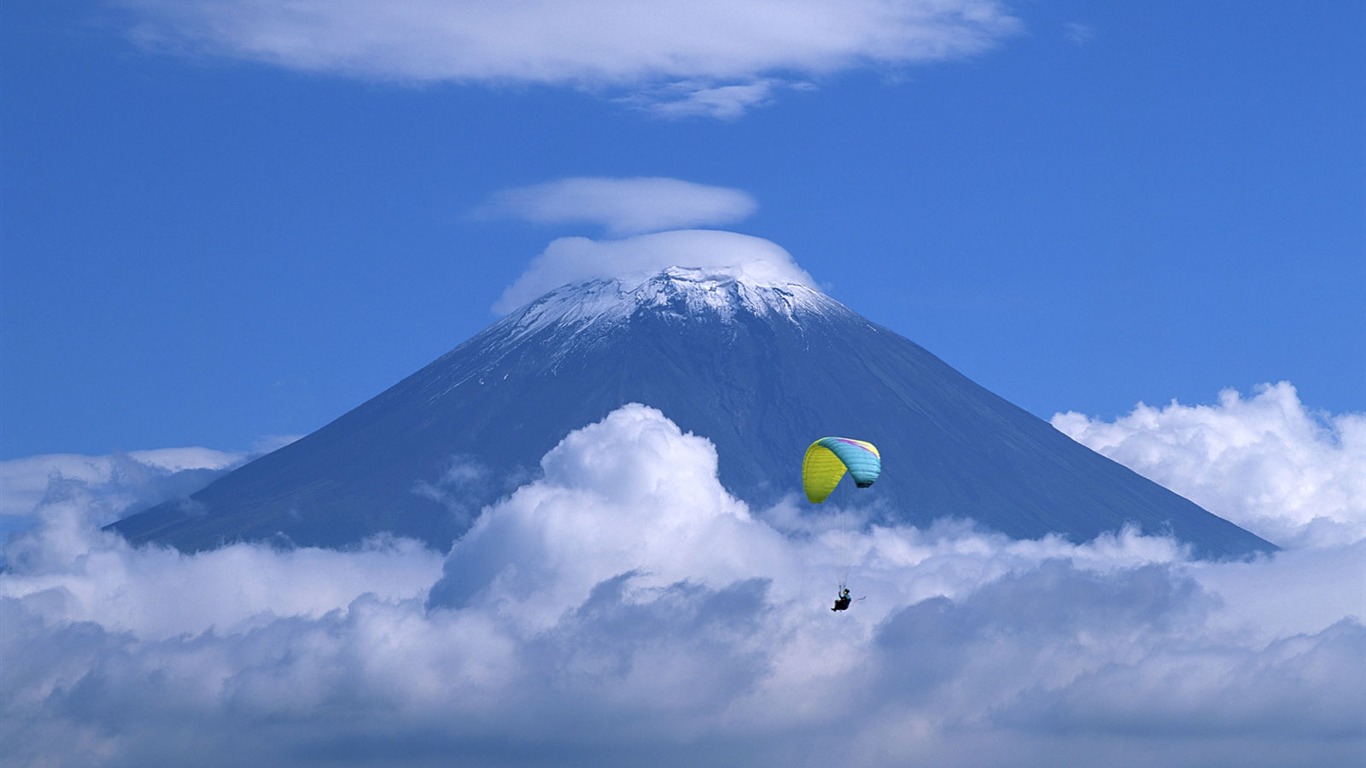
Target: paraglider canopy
(829, 458)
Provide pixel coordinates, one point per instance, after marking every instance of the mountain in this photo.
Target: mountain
(760, 368)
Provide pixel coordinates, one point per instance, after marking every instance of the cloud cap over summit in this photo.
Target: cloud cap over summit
(633, 260)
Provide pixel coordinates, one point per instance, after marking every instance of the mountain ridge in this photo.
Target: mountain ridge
(758, 367)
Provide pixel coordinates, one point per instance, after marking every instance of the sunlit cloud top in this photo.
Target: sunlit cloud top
(590, 44)
(1266, 462)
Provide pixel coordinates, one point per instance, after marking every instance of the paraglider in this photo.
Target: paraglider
(829, 458)
(826, 462)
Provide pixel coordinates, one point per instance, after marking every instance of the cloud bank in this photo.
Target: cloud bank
(624, 206)
(577, 259)
(624, 609)
(1267, 463)
(711, 57)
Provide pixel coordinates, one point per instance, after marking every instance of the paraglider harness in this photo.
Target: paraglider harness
(842, 602)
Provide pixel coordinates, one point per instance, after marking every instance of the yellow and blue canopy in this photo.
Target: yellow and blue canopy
(829, 458)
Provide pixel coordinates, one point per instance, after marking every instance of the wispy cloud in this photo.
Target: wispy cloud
(701, 99)
(623, 206)
(625, 610)
(113, 484)
(726, 52)
(128, 478)
(1078, 33)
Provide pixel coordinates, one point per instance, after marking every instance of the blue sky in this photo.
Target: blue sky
(1080, 206)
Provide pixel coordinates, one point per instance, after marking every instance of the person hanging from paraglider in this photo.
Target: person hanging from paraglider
(842, 602)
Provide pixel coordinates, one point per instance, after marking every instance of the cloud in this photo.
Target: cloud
(1266, 463)
(576, 259)
(624, 609)
(603, 509)
(24, 482)
(463, 479)
(624, 206)
(123, 481)
(1078, 34)
(114, 483)
(159, 594)
(698, 99)
(667, 53)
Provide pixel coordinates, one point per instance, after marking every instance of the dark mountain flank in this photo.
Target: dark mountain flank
(761, 370)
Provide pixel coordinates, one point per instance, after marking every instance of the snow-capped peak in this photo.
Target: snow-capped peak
(718, 292)
(572, 260)
(724, 290)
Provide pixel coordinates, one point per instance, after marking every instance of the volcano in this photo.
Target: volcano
(760, 368)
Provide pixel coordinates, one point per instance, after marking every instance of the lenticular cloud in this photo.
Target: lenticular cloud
(624, 609)
(623, 206)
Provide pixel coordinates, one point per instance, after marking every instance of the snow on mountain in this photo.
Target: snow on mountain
(576, 260)
(681, 292)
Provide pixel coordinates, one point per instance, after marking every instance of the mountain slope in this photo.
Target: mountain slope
(759, 369)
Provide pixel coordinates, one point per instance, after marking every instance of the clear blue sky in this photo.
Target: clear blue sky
(1093, 204)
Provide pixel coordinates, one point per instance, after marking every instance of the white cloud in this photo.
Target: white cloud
(624, 206)
(722, 102)
(1266, 463)
(631, 494)
(113, 484)
(574, 259)
(709, 45)
(625, 610)
(24, 482)
(159, 593)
